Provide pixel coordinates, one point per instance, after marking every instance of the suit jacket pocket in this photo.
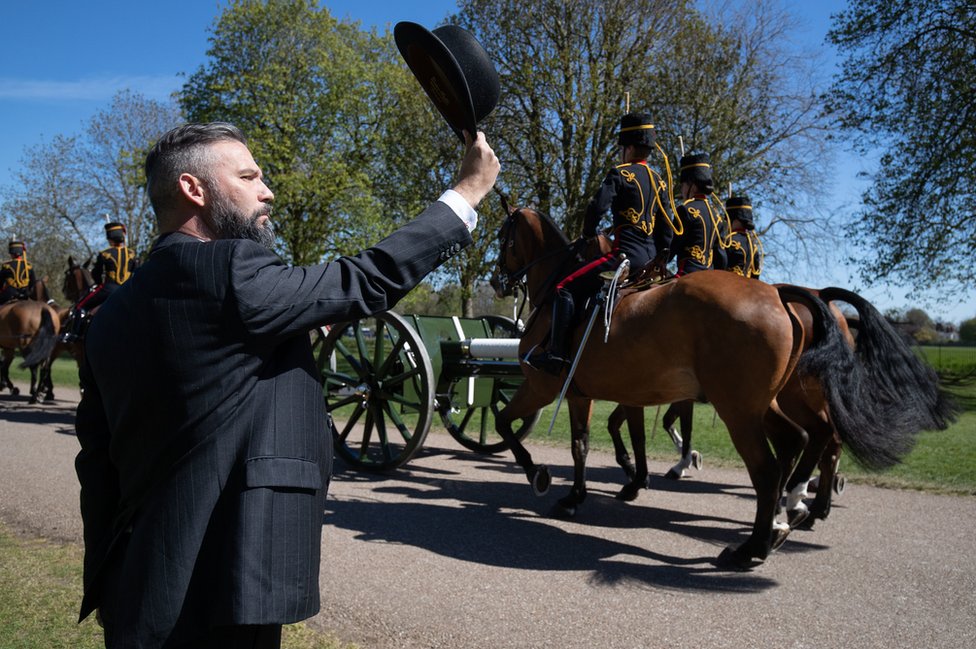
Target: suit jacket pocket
(282, 472)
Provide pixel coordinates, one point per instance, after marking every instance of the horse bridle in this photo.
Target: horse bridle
(510, 282)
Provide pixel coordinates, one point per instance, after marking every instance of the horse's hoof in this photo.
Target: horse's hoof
(795, 517)
(15, 391)
(673, 475)
(779, 536)
(696, 460)
(840, 484)
(629, 492)
(32, 400)
(732, 559)
(566, 507)
(540, 480)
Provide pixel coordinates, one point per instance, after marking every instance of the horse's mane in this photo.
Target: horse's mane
(550, 224)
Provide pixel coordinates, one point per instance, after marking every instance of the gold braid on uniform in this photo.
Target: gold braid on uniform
(670, 189)
(757, 248)
(723, 241)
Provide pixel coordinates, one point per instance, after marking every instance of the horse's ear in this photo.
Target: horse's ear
(71, 261)
(504, 200)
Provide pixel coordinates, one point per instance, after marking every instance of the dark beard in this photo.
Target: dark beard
(231, 223)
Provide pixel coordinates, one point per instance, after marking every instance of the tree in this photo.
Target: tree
(906, 90)
(967, 331)
(724, 82)
(302, 87)
(65, 188)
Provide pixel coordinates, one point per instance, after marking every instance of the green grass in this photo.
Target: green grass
(64, 372)
(42, 591)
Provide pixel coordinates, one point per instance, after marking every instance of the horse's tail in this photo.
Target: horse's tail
(894, 372)
(43, 344)
(869, 426)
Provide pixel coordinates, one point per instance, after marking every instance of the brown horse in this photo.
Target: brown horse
(78, 281)
(30, 327)
(662, 347)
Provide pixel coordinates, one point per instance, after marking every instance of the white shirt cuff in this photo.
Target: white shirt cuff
(460, 207)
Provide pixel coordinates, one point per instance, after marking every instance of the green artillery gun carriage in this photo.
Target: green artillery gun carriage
(386, 376)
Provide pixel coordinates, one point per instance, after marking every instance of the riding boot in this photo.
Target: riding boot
(74, 325)
(554, 359)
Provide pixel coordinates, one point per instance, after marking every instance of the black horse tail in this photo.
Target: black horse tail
(870, 428)
(896, 374)
(43, 344)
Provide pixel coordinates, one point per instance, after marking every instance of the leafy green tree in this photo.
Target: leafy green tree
(906, 90)
(302, 87)
(967, 331)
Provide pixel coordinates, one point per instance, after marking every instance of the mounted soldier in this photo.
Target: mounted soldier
(113, 267)
(699, 246)
(636, 196)
(16, 274)
(745, 253)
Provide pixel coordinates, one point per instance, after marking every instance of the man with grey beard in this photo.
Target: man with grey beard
(205, 451)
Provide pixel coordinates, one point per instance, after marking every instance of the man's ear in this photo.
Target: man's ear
(193, 189)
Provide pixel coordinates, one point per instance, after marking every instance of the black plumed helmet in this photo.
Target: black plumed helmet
(740, 207)
(453, 69)
(636, 129)
(696, 168)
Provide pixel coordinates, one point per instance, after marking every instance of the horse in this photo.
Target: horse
(680, 341)
(78, 282)
(31, 327)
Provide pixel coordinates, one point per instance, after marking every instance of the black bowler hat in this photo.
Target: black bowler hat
(740, 207)
(696, 168)
(453, 69)
(636, 129)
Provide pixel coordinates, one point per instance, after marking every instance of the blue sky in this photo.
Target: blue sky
(64, 60)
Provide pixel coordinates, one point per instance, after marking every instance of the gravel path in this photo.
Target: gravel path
(455, 551)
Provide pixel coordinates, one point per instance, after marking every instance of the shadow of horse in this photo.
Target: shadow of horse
(497, 523)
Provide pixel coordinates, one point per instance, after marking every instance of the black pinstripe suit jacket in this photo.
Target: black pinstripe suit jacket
(205, 455)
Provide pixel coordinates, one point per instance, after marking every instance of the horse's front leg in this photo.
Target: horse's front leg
(580, 411)
(523, 404)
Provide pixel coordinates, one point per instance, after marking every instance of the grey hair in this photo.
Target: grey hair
(183, 149)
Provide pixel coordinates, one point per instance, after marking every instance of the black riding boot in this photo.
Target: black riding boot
(556, 357)
(76, 321)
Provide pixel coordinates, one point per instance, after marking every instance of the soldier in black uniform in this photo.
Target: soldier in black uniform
(636, 196)
(699, 246)
(744, 251)
(16, 274)
(113, 267)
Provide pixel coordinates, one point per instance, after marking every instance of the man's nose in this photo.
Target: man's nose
(267, 196)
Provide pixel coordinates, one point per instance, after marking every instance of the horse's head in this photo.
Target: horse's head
(77, 280)
(530, 248)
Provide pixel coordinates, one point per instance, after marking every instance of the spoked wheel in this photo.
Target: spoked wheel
(379, 388)
(474, 426)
